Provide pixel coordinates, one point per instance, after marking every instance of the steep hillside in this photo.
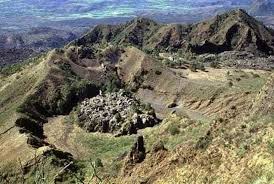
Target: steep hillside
(263, 104)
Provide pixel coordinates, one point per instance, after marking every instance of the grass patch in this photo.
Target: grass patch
(175, 130)
(246, 81)
(106, 147)
(14, 90)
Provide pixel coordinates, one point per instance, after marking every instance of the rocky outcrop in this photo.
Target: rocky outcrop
(138, 151)
(117, 113)
(136, 155)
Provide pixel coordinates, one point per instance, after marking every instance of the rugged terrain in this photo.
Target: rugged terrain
(144, 102)
(17, 47)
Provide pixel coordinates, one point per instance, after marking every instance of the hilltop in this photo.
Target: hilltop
(144, 102)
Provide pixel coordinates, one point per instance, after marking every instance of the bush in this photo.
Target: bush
(230, 83)
(112, 85)
(215, 64)
(204, 141)
(255, 75)
(173, 129)
(193, 67)
(98, 163)
(197, 66)
(271, 146)
(242, 150)
(157, 72)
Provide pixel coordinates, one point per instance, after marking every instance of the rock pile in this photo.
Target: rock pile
(117, 113)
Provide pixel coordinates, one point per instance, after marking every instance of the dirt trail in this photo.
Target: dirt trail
(159, 102)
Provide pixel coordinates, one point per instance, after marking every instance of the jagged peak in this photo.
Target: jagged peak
(142, 20)
(237, 14)
(239, 11)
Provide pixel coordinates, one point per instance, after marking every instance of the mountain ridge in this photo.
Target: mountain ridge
(235, 30)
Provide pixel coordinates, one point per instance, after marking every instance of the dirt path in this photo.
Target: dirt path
(160, 102)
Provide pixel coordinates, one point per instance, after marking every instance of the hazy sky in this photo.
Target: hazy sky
(67, 9)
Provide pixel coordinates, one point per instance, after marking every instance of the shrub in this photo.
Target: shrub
(255, 75)
(148, 51)
(173, 129)
(157, 72)
(204, 141)
(230, 83)
(215, 64)
(98, 163)
(112, 85)
(242, 150)
(271, 146)
(197, 66)
(193, 67)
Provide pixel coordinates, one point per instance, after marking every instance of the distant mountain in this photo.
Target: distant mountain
(262, 7)
(17, 47)
(235, 30)
(18, 14)
(39, 37)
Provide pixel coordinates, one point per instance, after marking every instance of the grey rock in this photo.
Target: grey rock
(114, 113)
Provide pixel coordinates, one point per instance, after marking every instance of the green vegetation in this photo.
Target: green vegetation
(112, 85)
(13, 90)
(44, 169)
(214, 64)
(246, 81)
(175, 130)
(106, 151)
(194, 66)
(105, 147)
(271, 146)
(72, 93)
